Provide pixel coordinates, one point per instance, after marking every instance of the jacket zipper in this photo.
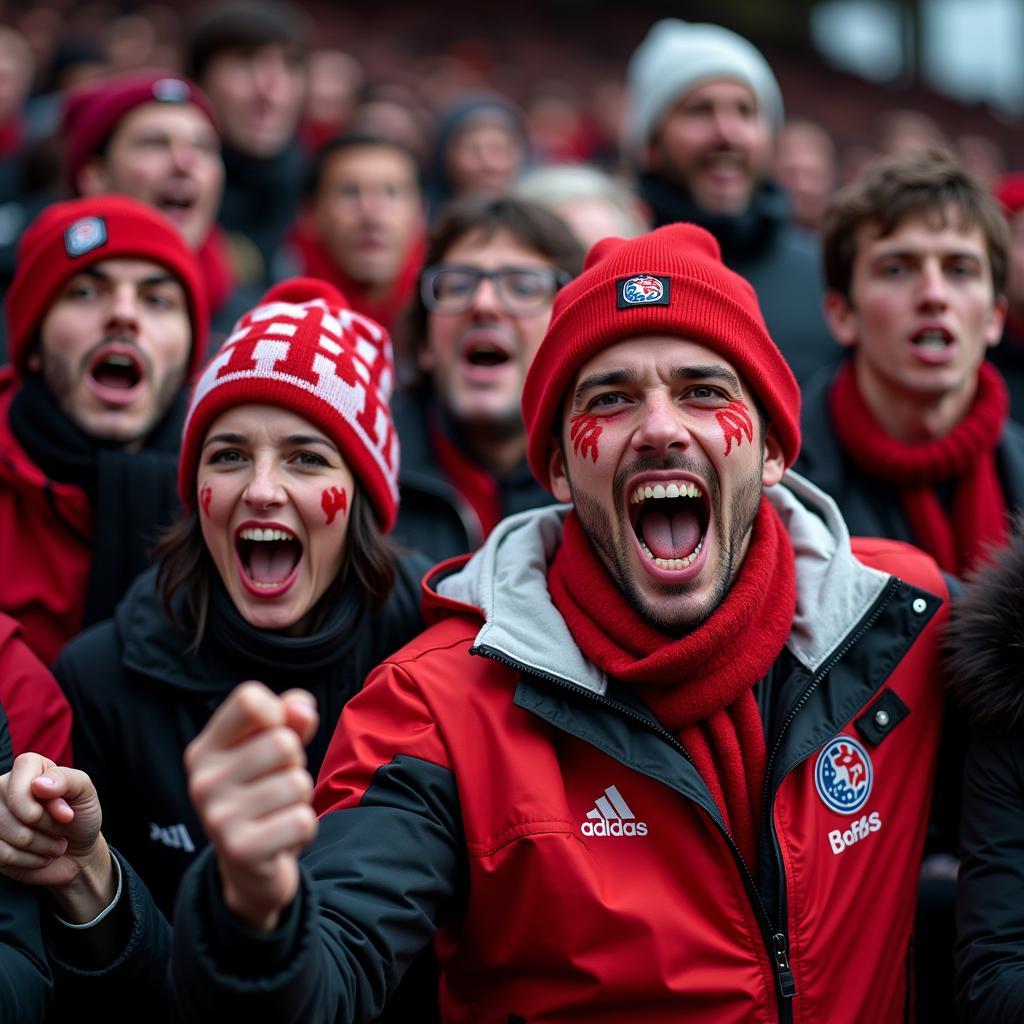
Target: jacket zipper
(776, 942)
(782, 966)
(774, 932)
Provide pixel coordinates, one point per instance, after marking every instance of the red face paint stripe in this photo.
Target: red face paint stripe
(205, 496)
(735, 422)
(585, 432)
(334, 501)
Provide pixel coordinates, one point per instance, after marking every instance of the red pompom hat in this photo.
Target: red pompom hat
(92, 111)
(670, 281)
(68, 237)
(305, 350)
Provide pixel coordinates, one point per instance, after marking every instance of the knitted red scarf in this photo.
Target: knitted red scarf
(700, 686)
(965, 457)
(474, 482)
(316, 262)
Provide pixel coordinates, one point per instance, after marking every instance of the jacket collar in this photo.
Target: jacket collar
(506, 580)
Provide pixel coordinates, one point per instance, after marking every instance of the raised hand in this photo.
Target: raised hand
(248, 781)
(50, 835)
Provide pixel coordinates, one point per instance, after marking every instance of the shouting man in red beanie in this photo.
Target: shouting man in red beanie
(153, 136)
(106, 318)
(666, 751)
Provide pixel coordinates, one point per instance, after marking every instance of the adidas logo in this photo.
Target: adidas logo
(611, 816)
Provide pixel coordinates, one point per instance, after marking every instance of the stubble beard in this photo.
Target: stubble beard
(614, 550)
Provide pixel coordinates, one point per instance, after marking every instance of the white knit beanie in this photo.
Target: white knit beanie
(677, 55)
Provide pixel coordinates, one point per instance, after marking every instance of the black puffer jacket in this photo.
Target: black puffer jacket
(433, 517)
(987, 676)
(139, 697)
(25, 981)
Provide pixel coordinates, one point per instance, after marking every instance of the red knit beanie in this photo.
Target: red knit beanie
(670, 281)
(68, 237)
(305, 350)
(91, 112)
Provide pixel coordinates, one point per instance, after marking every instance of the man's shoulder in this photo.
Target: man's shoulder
(900, 559)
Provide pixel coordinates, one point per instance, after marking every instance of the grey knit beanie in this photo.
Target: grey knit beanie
(677, 55)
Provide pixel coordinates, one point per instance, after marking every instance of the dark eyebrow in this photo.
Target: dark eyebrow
(152, 279)
(609, 378)
(713, 372)
(225, 438)
(304, 440)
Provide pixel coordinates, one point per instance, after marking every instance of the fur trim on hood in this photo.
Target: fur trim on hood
(985, 642)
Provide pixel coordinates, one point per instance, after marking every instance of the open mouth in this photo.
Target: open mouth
(269, 557)
(670, 519)
(117, 370)
(485, 354)
(936, 339)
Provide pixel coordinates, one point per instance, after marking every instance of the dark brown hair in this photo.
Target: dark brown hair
(922, 183)
(532, 225)
(184, 563)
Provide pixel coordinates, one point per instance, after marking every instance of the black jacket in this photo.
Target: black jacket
(779, 260)
(987, 677)
(872, 507)
(25, 980)
(139, 697)
(432, 516)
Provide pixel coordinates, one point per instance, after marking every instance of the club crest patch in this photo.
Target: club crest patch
(844, 774)
(643, 290)
(85, 235)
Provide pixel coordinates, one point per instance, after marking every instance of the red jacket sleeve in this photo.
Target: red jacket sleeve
(39, 714)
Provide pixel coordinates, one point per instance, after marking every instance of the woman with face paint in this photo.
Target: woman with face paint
(276, 571)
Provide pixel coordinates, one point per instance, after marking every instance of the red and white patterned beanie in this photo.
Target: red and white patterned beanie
(305, 350)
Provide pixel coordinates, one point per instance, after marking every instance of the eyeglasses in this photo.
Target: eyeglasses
(519, 290)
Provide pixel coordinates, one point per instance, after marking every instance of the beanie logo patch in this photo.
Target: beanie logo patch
(170, 90)
(85, 235)
(643, 290)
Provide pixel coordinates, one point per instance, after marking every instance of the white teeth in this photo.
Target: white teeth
(255, 533)
(673, 563)
(683, 489)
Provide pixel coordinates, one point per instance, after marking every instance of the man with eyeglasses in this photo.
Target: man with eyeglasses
(493, 267)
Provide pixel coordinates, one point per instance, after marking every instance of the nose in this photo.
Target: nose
(662, 427)
(183, 154)
(124, 307)
(264, 488)
(485, 298)
(269, 72)
(934, 288)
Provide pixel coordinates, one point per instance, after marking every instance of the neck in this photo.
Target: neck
(500, 455)
(911, 417)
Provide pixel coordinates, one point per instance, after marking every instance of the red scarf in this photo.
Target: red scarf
(215, 264)
(474, 482)
(700, 686)
(316, 262)
(966, 457)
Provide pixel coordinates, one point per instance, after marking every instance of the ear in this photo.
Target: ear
(774, 459)
(93, 178)
(994, 331)
(557, 472)
(841, 318)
